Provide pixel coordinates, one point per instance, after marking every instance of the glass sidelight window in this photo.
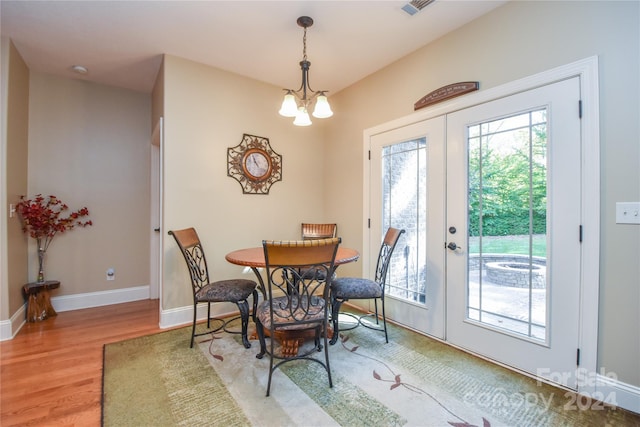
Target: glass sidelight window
(404, 190)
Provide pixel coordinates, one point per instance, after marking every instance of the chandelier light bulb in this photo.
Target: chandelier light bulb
(289, 107)
(302, 118)
(322, 109)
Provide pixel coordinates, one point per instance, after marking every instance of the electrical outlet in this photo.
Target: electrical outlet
(111, 273)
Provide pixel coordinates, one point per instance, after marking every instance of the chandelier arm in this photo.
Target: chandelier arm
(313, 96)
(314, 93)
(307, 80)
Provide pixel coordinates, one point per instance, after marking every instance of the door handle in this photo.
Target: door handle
(454, 247)
(157, 230)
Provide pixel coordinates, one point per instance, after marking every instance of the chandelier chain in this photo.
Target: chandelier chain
(304, 45)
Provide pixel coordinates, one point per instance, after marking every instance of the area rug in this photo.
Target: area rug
(411, 381)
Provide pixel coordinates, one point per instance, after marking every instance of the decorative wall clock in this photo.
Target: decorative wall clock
(254, 164)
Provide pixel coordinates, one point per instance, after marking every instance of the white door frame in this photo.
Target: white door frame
(155, 256)
(587, 70)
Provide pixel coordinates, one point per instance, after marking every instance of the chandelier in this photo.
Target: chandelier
(296, 102)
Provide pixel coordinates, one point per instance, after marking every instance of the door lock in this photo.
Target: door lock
(454, 247)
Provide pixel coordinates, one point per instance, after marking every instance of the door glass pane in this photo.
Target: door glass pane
(507, 286)
(404, 172)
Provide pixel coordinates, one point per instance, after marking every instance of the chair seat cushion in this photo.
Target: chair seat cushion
(355, 288)
(318, 273)
(232, 290)
(283, 314)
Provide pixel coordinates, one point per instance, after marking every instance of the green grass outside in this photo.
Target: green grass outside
(509, 245)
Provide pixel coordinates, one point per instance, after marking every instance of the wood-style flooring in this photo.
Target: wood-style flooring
(51, 372)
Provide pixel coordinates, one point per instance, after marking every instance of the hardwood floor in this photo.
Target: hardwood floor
(51, 372)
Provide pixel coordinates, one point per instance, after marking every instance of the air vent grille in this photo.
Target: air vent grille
(415, 6)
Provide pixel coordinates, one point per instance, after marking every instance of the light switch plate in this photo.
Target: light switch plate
(628, 213)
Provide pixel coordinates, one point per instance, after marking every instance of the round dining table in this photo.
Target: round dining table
(254, 258)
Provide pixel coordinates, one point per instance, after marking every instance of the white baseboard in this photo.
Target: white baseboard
(183, 316)
(617, 393)
(176, 317)
(9, 328)
(98, 299)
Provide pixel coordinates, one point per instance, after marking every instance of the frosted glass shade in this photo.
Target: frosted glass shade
(289, 107)
(302, 118)
(322, 110)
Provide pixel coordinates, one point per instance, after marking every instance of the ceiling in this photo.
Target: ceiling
(121, 42)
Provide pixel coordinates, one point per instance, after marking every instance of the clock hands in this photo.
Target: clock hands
(255, 162)
(256, 165)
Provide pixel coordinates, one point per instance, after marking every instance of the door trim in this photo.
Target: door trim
(156, 259)
(587, 71)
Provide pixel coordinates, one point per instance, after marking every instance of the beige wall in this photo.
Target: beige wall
(15, 101)
(89, 145)
(515, 41)
(206, 111)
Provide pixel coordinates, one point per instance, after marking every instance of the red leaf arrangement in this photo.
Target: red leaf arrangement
(43, 218)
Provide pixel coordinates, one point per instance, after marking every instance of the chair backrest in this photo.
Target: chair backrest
(384, 256)
(191, 248)
(318, 231)
(299, 294)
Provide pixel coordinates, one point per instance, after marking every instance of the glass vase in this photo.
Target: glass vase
(41, 253)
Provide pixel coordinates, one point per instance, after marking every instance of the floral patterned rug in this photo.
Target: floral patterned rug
(411, 381)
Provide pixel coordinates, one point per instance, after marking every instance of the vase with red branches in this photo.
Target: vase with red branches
(43, 218)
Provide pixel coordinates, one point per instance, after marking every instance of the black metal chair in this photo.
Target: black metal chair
(346, 288)
(296, 304)
(236, 291)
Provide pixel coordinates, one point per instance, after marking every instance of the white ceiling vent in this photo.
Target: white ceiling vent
(415, 6)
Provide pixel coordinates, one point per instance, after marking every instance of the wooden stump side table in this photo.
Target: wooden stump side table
(39, 300)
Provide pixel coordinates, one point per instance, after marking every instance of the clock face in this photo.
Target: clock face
(256, 164)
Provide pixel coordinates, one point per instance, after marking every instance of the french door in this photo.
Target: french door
(514, 226)
(490, 197)
(408, 164)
